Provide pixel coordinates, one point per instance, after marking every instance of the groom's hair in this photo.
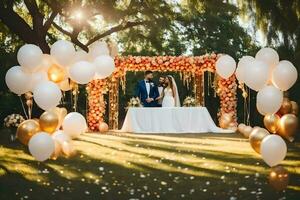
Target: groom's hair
(148, 72)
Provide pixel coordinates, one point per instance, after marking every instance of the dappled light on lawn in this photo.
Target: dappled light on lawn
(116, 165)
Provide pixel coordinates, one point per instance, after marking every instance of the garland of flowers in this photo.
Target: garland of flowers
(96, 90)
(225, 88)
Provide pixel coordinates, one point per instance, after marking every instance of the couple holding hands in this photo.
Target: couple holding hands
(165, 94)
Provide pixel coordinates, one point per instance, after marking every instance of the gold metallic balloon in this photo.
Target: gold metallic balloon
(286, 107)
(49, 121)
(103, 127)
(288, 126)
(225, 120)
(247, 131)
(271, 122)
(26, 130)
(256, 137)
(295, 108)
(241, 128)
(61, 113)
(56, 73)
(279, 178)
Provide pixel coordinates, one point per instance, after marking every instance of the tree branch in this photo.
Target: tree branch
(32, 7)
(48, 23)
(117, 28)
(73, 37)
(16, 23)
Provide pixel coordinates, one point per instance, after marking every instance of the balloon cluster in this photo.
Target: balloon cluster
(285, 121)
(44, 137)
(269, 77)
(264, 74)
(46, 75)
(272, 147)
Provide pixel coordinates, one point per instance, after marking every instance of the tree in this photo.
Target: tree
(44, 20)
(198, 27)
(280, 22)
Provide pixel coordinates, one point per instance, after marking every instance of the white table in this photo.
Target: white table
(170, 120)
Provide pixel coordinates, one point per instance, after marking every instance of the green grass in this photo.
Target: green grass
(127, 166)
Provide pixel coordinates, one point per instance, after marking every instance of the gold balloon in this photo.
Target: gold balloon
(288, 126)
(103, 127)
(26, 130)
(225, 120)
(241, 128)
(61, 113)
(49, 121)
(286, 106)
(256, 136)
(295, 108)
(271, 122)
(279, 178)
(56, 73)
(247, 131)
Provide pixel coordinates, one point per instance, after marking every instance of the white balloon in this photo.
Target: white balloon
(41, 146)
(105, 66)
(80, 56)
(30, 56)
(82, 72)
(268, 55)
(37, 78)
(225, 66)
(46, 63)
(269, 100)
(17, 80)
(61, 137)
(273, 149)
(97, 49)
(63, 51)
(240, 72)
(284, 75)
(257, 75)
(47, 95)
(74, 124)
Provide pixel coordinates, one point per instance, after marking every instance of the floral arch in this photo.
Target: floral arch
(191, 68)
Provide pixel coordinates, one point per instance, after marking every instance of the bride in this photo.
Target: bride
(170, 96)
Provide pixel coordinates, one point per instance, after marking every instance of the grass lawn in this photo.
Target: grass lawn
(127, 166)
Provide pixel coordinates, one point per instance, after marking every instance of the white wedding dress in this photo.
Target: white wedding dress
(168, 100)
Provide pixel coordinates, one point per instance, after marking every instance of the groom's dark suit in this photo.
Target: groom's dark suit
(142, 93)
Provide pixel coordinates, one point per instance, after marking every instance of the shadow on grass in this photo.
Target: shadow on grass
(125, 167)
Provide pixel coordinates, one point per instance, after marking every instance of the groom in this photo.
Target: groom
(147, 91)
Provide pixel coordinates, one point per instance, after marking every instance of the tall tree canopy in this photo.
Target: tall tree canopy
(41, 21)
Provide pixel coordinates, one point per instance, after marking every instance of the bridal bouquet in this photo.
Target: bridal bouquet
(13, 120)
(134, 102)
(189, 102)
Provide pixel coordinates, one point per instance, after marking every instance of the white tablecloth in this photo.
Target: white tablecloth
(170, 120)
